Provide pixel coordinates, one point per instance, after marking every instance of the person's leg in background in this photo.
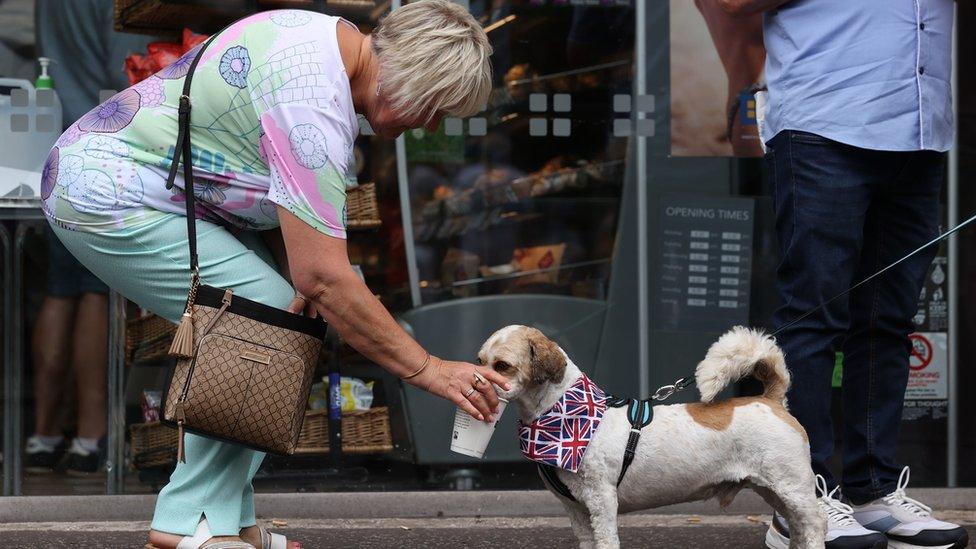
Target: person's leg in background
(50, 341)
(904, 215)
(71, 332)
(821, 196)
(149, 265)
(822, 191)
(89, 358)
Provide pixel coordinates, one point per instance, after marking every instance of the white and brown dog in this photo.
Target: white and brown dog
(688, 452)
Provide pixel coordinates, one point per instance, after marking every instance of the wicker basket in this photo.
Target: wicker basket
(169, 17)
(148, 338)
(153, 445)
(160, 18)
(362, 210)
(364, 432)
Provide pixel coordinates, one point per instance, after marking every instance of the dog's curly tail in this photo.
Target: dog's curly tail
(738, 353)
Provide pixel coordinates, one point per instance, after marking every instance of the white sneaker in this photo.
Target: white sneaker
(909, 523)
(843, 532)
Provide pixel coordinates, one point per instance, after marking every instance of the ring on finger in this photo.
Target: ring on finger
(478, 380)
(469, 392)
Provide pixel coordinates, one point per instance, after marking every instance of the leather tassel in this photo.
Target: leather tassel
(180, 455)
(182, 346)
(180, 419)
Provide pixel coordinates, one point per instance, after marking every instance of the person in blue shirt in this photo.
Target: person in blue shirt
(859, 119)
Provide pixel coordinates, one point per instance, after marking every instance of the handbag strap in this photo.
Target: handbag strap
(183, 150)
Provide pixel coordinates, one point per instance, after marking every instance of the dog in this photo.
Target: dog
(688, 452)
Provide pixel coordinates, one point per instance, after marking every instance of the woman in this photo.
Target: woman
(275, 102)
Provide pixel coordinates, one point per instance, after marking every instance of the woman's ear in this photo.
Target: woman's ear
(547, 362)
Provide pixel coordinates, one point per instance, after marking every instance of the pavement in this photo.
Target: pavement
(641, 530)
(406, 520)
(401, 504)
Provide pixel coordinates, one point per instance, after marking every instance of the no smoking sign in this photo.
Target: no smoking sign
(928, 367)
(921, 352)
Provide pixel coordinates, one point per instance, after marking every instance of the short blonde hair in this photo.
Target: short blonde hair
(434, 57)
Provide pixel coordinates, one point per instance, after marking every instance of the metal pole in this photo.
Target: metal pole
(16, 382)
(9, 448)
(952, 442)
(406, 214)
(115, 455)
(413, 274)
(643, 313)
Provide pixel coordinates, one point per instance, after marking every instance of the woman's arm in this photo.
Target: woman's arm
(276, 244)
(749, 7)
(321, 271)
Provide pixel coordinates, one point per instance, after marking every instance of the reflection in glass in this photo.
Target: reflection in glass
(531, 205)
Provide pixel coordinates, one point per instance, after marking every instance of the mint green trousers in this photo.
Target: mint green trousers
(149, 265)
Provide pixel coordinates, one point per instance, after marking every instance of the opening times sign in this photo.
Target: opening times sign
(704, 263)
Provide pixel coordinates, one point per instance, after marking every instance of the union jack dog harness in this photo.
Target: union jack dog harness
(559, 437)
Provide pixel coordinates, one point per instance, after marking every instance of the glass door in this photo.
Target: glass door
(514, 211)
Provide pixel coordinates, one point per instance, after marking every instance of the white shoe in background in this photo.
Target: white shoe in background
(908, 523)
(843, 532)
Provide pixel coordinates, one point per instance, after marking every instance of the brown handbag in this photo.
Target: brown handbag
(245, 369)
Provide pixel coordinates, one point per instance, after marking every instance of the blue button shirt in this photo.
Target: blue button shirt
(870, 73)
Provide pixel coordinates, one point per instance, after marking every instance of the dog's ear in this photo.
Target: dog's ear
(547, 361)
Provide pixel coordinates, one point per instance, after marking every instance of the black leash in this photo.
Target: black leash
(663, 393)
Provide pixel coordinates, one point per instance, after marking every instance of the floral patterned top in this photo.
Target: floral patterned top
(273, 123)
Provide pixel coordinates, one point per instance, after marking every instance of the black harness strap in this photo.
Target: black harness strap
(551, 479)
(639, 413)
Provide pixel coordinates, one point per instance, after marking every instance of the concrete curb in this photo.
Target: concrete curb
(380, 505)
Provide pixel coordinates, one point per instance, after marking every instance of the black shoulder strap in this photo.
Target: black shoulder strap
(183, 150)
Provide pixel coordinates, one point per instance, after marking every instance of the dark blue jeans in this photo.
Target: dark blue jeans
(843, 213)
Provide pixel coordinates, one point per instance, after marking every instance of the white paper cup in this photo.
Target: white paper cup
(470, 436)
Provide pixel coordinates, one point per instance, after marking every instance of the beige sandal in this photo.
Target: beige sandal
(272, 541)
(199, 540)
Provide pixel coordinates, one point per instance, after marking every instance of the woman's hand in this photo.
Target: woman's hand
(453, 380)
(302, 305)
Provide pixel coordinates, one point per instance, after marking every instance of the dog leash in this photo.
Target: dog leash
(665, 392)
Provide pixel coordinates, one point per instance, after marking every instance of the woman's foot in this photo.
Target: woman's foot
(252, 535)
(162, 540)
